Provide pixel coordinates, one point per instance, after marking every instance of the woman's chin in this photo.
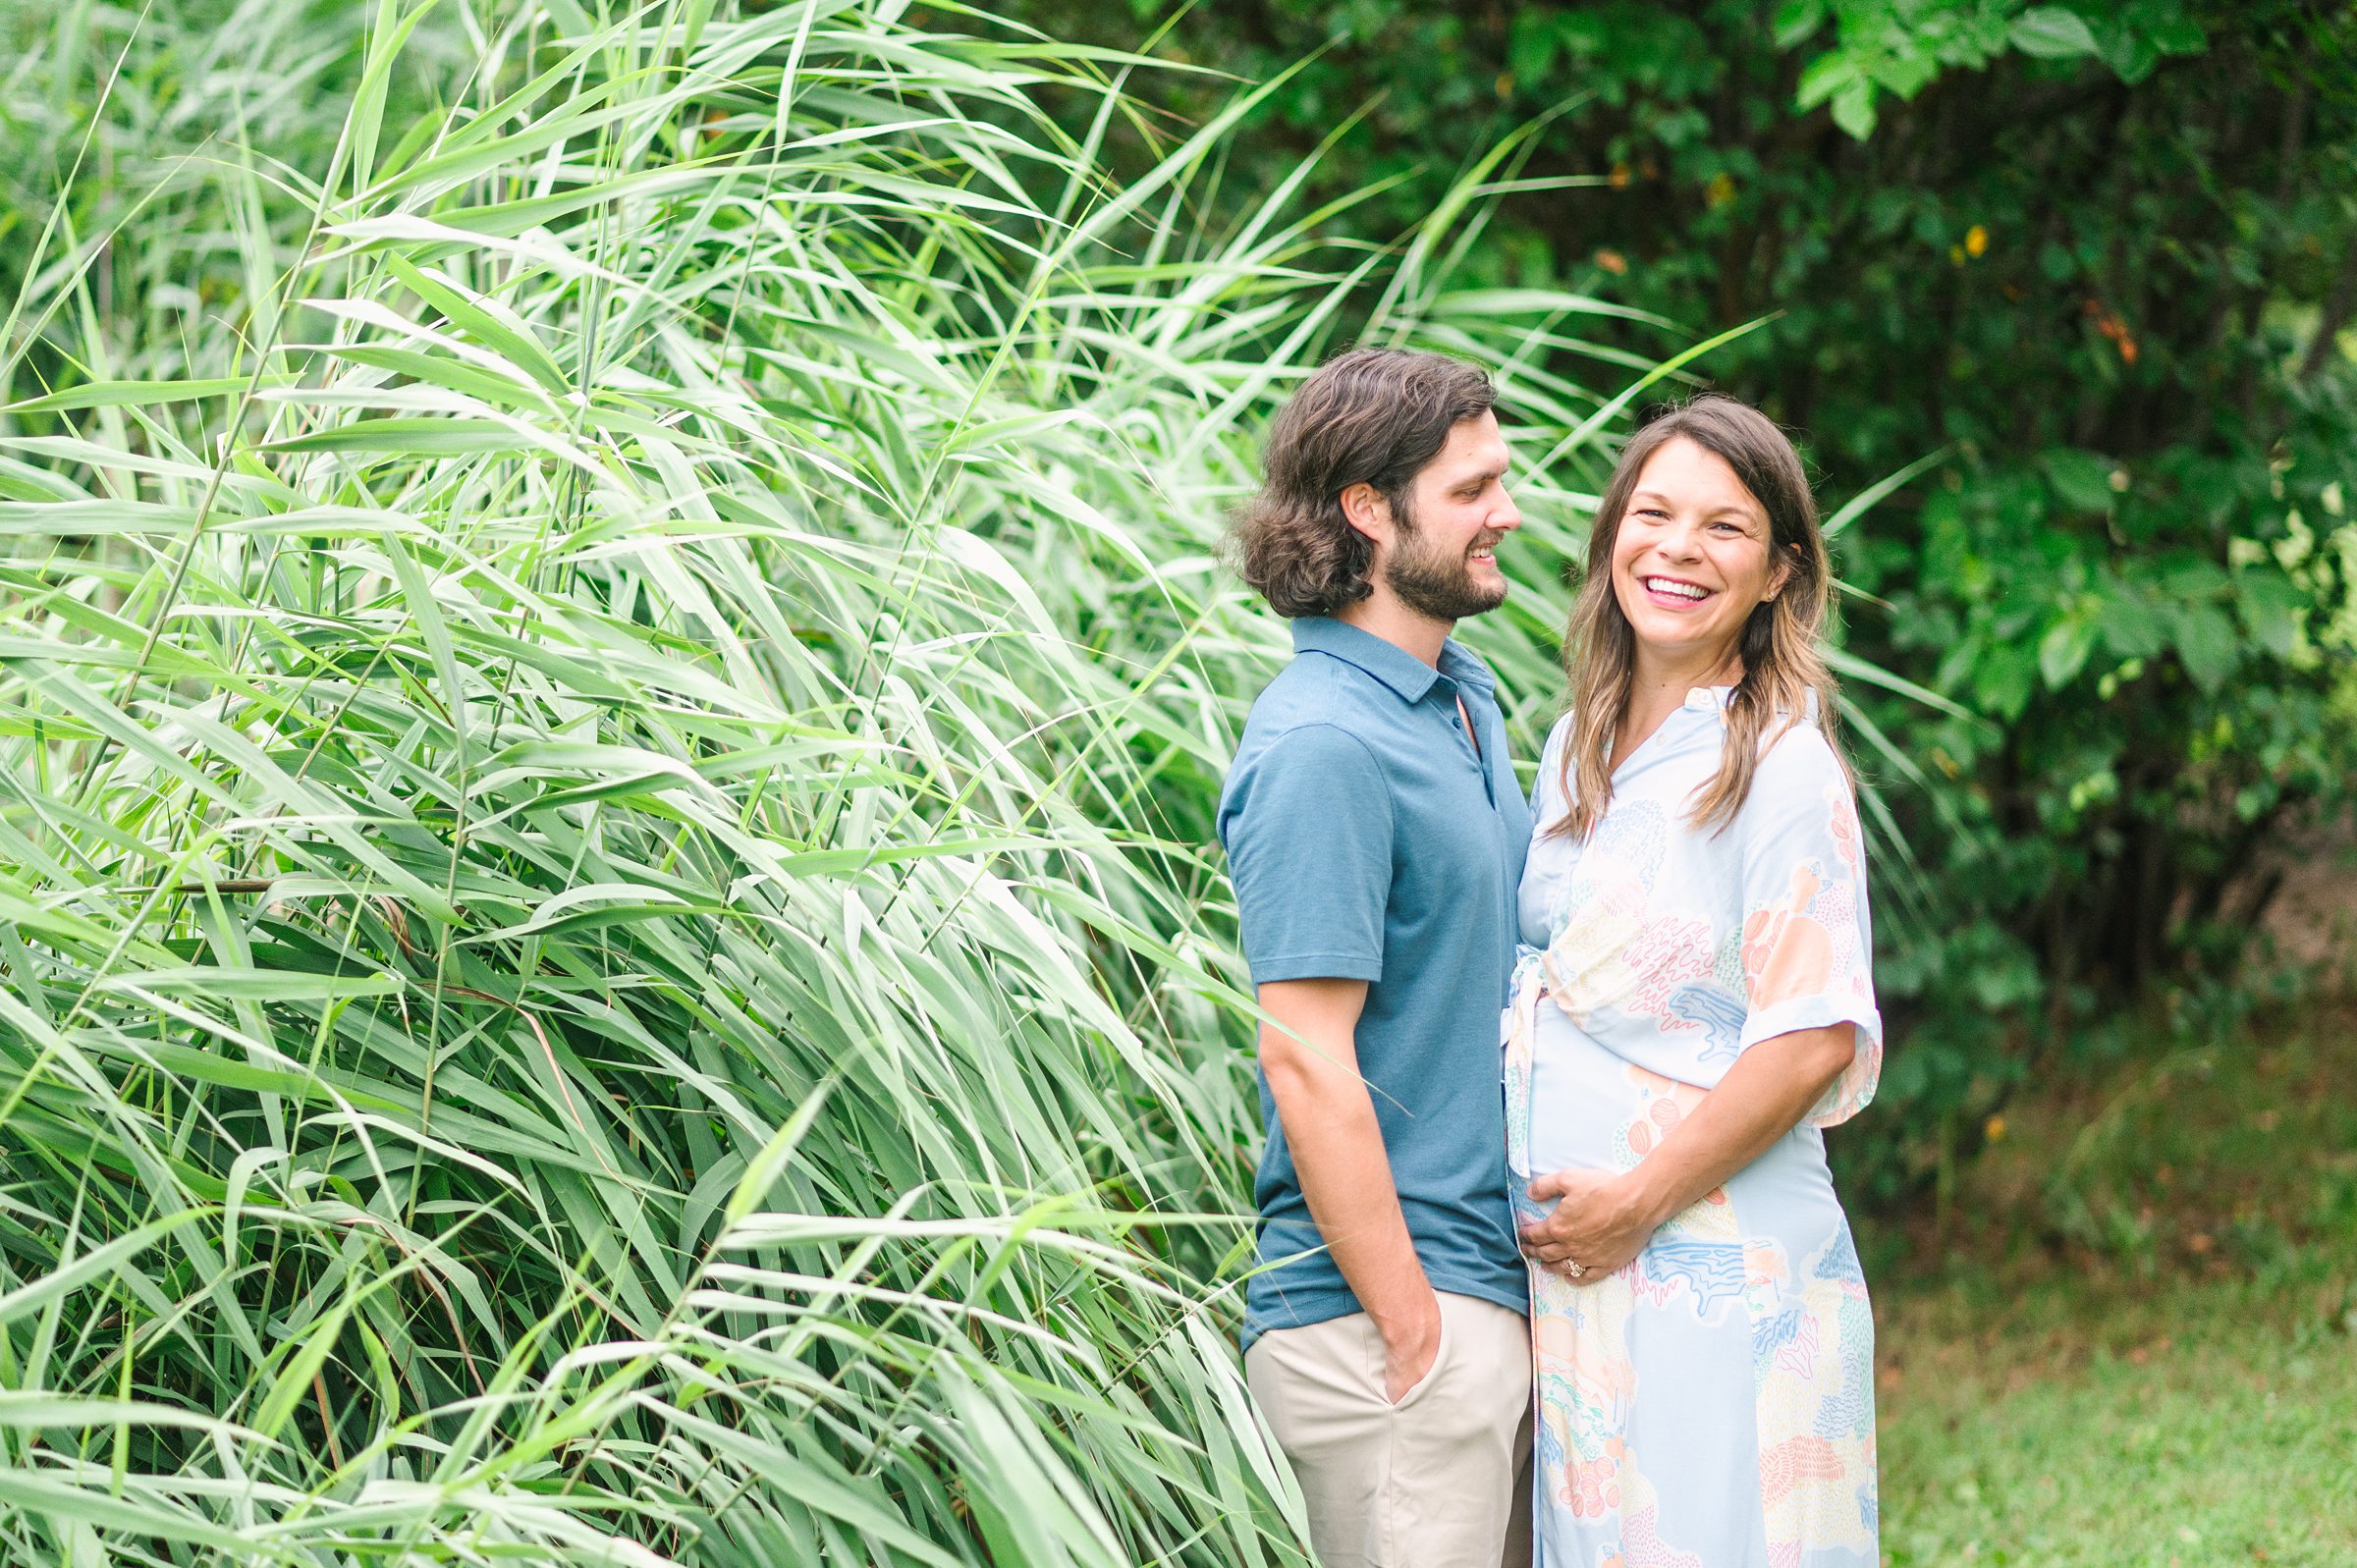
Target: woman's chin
(1672, 636)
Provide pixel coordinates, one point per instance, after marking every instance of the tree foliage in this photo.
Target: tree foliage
(2096, 266)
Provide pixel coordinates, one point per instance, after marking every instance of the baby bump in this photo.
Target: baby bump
(1592, 1108)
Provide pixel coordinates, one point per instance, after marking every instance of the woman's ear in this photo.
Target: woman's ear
(1784, 574)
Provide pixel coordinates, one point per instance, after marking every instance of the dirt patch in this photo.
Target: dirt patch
(2312, 922)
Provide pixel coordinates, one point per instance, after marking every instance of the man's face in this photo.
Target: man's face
(1442, 562)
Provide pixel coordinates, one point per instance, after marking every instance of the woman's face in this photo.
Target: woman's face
(1691, 556)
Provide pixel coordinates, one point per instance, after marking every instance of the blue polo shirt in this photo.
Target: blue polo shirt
(1368, 841)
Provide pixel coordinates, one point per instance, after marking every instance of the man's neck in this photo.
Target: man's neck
(1381, 613)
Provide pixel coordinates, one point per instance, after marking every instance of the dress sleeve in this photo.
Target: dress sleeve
(1808, 941)
(1308, 830)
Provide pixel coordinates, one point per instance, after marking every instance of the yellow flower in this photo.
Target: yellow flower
(1976, 241)
(1993, 1128)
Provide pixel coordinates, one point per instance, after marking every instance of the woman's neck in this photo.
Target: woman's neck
(1658, 688)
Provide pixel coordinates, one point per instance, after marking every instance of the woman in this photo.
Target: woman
(1698, 1007)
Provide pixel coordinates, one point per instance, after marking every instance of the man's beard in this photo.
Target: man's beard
(1435, 582)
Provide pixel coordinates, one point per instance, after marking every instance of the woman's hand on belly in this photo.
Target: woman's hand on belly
(1603, 1220)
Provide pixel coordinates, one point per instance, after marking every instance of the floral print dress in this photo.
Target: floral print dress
(1711, 1404)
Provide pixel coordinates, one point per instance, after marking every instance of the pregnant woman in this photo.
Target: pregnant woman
(1698, 1007)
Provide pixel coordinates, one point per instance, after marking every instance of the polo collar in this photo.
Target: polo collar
(1402, 671)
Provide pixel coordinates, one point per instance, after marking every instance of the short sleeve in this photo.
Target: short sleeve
(1308, 830)
(1808, 944)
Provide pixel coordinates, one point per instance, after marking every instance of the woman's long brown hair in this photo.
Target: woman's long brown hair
(1782, 668)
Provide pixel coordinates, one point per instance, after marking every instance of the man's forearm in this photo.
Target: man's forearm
(1309, 1049)
(1345, 1176)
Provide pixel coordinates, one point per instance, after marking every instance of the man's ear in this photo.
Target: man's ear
(1364, 508)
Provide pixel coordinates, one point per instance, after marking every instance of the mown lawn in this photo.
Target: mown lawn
(2135, 1342)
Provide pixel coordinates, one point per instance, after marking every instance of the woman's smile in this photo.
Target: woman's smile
(1674, 593)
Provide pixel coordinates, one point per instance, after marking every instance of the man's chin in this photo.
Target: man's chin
(1485, 592)
(1469, 595)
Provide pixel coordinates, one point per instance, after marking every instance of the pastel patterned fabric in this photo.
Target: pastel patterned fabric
(1710, 1405)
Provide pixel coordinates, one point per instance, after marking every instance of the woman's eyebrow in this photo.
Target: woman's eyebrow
(1749, 513)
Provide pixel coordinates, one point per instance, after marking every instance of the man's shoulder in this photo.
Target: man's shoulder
(1306, 745)
(1312, 734)
(1315, 700)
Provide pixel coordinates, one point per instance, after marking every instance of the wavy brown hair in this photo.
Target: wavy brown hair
(1370, 417)
(1783, 667)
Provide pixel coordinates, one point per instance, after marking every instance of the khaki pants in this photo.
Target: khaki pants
(1441, 1478)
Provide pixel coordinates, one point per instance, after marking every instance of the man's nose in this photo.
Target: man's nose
(1508, 517)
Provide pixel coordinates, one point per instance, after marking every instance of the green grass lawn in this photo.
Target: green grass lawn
(2136, 1340)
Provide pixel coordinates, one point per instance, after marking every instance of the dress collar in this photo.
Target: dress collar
(1713, 699)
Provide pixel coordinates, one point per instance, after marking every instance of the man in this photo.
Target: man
(1375, 831)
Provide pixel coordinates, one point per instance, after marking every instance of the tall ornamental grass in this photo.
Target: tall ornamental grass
(611, 685)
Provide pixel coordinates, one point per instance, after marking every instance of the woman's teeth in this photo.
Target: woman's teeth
(1684, 590)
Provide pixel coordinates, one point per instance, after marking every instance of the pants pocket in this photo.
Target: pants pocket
(1450, 1484)
(1379, 1362)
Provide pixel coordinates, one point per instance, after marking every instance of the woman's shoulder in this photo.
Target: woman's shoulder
(1558, 736)
(1801, 759)
(1546, 793)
